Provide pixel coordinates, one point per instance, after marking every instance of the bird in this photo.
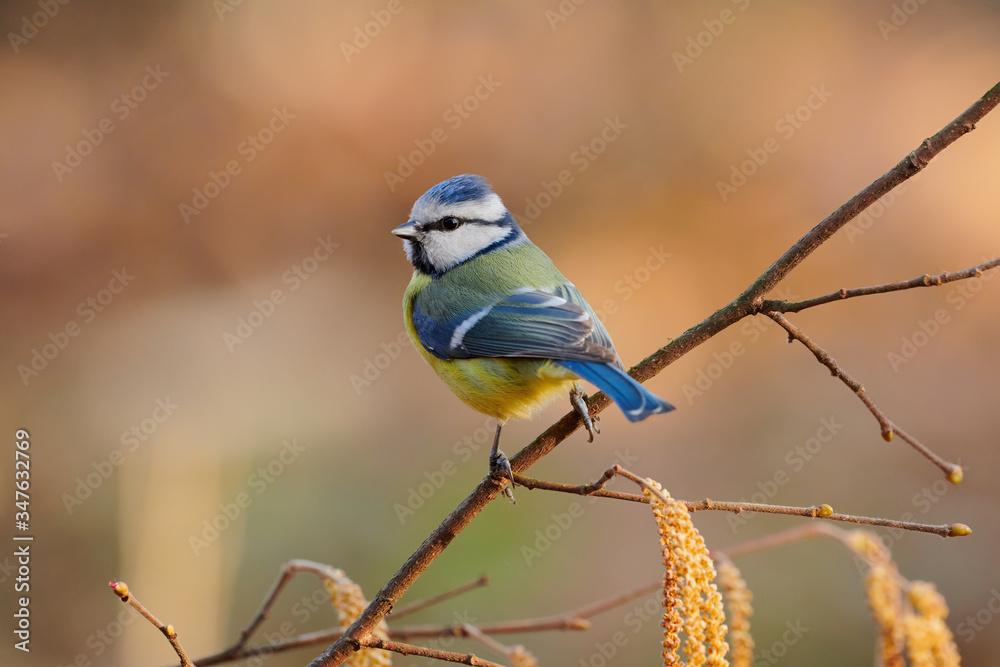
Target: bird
(497, 321)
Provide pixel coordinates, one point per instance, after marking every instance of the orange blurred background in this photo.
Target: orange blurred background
(202, 305)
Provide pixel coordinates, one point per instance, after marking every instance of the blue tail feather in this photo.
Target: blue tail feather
(636, 401)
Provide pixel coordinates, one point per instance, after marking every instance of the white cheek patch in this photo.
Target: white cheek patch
(489, 209)
(447, 249)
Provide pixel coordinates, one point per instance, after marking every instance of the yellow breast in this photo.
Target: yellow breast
(500, 388)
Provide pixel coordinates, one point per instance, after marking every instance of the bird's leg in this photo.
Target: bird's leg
(499, 459)
(578, 399)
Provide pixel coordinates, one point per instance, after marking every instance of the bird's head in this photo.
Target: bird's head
(453, 222)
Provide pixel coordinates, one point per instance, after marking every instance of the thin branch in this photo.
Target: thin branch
(596, 489)
(815, 512)
(780, 539)
(423, 604)
(288, 570)
(953, 471)
(746, 304)
(516, 653)
(574, 620)
(925, 280)
(424, 652)
(823, 357)
(121, 590)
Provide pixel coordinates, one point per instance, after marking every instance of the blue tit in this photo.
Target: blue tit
(491, 314)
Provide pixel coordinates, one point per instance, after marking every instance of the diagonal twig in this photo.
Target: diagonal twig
(925, 280)
(953, 471)
(424, 652)
(121, 590)
(437, 599)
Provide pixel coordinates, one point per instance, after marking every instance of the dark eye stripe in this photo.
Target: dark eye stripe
(447, 224)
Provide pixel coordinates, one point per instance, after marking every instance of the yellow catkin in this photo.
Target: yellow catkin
(671, 623)
(868, 546)
(929, 642)
(738, 603)
(884, 593)
(882, 586)
(689, 568)
(520, 657)
(350, 602)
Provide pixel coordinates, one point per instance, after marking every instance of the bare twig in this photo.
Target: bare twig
(121, 590)
(573, 620)
(595, 489)
(429, 602)
(746, 304)
(424, 652)
(288, 570)
(925, 280)
(816, 511)
(780, 539)
(823, 357)
(952, 470)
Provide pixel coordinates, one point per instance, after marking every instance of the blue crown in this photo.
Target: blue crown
(467, 187)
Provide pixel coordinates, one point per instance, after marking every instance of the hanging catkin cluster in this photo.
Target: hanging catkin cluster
(912, 623)
(738, 602)
(692, 601)
(350, 602)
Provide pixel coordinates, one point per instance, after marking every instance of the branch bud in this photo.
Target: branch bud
(958, 530)
(120, 588)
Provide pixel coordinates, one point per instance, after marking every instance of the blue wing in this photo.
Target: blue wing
(527, 324)
(530, 323)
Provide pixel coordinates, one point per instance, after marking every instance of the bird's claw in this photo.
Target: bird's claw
(499, 463)
(578, 399)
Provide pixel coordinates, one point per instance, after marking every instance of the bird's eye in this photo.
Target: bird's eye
(450, 224)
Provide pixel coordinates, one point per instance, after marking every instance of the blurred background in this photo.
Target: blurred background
(202, 314)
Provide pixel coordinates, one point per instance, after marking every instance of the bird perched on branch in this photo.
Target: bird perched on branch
(491, 314)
